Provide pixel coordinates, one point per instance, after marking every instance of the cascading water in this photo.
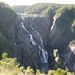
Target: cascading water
(24, 27)
(30, 35)
(32, 40)
(54, 19)
(44, 56)
(21, 15)
(44, 53)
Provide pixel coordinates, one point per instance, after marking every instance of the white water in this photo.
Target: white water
(30, 35)
(23, 16)
(44, 55)
(24, 27)
(54, 19)
(32, 40)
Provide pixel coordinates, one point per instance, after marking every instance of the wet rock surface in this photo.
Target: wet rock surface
(35, 38)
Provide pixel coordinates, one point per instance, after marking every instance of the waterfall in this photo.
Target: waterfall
(32, 40)
(44, 56)
(30, 35)
(21, 15)
(44, 53)
(24, 27)
(54, 19)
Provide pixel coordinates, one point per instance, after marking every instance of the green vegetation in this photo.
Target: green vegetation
(10, 66)
(41, 9)
(38, 8)
(67, 12)
(21, 9)
(8, 19)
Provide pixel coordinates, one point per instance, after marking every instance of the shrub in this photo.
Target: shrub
(10, 66)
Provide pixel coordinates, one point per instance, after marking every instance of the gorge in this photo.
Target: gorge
(33, 38)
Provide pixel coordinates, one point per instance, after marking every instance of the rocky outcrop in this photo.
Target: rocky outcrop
(40, 24)
(30, 46)
(8, 18)
(61, 33)
(21, 41)
(33, 38)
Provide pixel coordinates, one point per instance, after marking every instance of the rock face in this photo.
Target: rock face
(24, 42)
(32, 39)
(40, 24)
(61, 33)
(61, 30)
(8, 18)
(30, 42)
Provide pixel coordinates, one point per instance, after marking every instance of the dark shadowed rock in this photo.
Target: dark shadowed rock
(61, 33)
(33, 38)
(8, 19)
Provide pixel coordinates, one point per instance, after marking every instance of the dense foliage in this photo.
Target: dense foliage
(10, 66)
(7, 21)
(21, 8)
(38, 8)
(10, 30)
(65, 18)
